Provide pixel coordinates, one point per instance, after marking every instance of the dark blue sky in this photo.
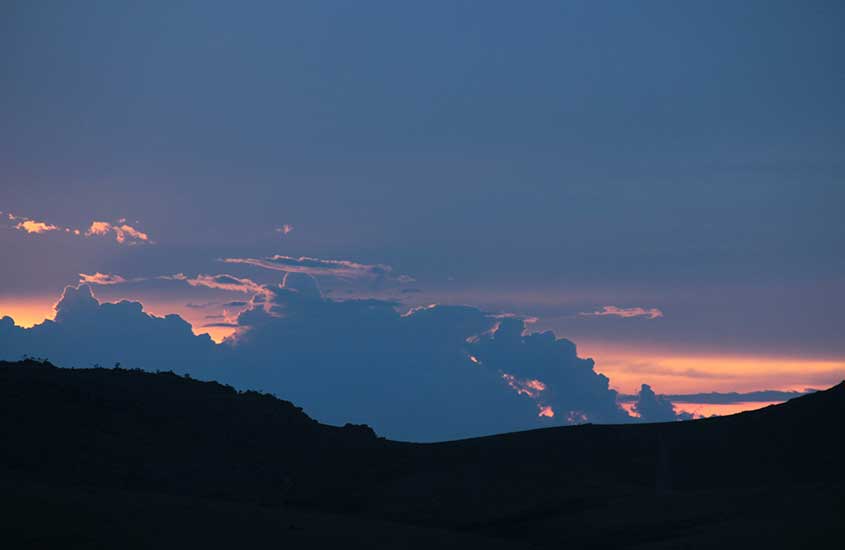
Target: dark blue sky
(548, 158)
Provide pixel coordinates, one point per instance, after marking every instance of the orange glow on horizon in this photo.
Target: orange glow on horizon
(27, 312)
(671, 372)
(705, 410)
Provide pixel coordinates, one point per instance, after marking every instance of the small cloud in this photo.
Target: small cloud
(285, 229)
(124, 233)
(219, 282)
(650, 407)
(626, 313)
(101, 279)
(32, 226)
(200, 306)
(316, 266)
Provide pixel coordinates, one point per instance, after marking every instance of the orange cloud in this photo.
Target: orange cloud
(124, 233)
(32, 226)
(98, 228)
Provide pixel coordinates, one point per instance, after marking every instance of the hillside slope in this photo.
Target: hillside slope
(127, 449)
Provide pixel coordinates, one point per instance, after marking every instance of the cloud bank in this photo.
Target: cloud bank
(431, 373)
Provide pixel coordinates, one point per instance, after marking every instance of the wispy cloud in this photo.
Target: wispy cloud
(101, 279)
(285, 229)
(626, 313)
(315, 266)
(219, 282)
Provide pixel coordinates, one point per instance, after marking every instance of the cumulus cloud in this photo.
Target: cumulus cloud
(86, 332)
(545, 369)
(409, 375)
(651, 407)
(652, 313)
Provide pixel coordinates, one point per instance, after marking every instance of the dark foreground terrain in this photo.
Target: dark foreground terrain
(110, 458)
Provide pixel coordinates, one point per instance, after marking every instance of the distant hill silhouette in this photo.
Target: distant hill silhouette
(115, 457)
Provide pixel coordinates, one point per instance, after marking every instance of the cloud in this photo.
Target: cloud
(315, 266)
(86, 332)
(220, 282)
(191, 305)
(285, 229)
(652, 313)
(547, 371)
(124, 233)
(101, 279)
(407, 374)
(651, 407)
(31, 226)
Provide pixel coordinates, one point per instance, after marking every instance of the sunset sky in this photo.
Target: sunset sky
(660, 183)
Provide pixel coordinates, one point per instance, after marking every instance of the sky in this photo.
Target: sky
(660, 183)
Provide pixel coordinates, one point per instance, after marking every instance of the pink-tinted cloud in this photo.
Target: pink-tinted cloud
(123, 232)
(219, 282)
(101, 279)
(626, 313)
(316, 266)
(285, 229)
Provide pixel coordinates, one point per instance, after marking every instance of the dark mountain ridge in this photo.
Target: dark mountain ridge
(68, 431)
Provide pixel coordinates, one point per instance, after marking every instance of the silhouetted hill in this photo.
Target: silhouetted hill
(106, 457)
